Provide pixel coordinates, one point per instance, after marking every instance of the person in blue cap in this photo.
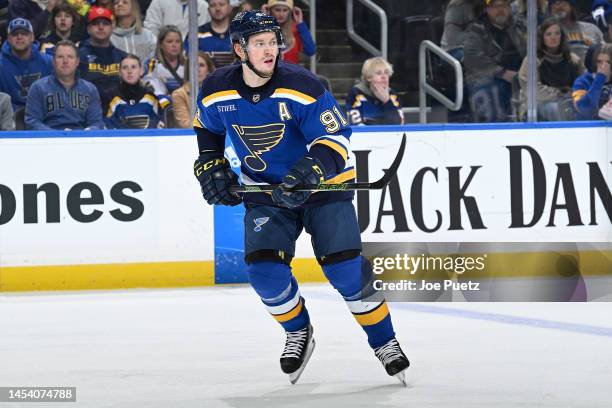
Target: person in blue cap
(21, 62)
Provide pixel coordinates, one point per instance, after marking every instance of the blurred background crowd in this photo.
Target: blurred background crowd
(77, 64)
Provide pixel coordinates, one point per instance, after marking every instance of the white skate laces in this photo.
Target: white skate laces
(389, 352)
(393, 359)
(295, 343)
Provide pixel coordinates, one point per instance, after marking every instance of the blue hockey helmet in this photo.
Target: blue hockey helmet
(251, 22)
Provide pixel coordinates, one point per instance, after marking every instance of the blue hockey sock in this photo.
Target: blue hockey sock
(352, 279)
(279, 292)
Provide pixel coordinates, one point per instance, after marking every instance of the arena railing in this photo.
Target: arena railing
(350, 27)
(425, 88)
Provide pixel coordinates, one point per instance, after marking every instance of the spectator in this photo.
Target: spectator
(557, 69)
(214, 36)
(180, 97)
(132, 105)
(63, 101)
(519, 10)
(602, 16)
(580, 34)
(174, 12)
(459, 14)
(21, 63)
(593, 91)
(494, 50)
(245, 5)
(64, 24)
(372, 102)
(37, 12)
(99, 58)
(107, 4)
(129, 35)
(165, 72)
(6, 112)
(296, 35)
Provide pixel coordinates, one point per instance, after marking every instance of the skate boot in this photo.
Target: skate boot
(298, 348)
(393, 359)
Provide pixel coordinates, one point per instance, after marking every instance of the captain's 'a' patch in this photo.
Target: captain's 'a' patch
(259, 140)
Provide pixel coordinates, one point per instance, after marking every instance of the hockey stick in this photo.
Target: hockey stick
(377, 185)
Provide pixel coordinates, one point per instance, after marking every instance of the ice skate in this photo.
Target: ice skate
(393, 359)
(298, 348)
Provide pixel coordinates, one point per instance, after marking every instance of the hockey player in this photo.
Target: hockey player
(287, 128)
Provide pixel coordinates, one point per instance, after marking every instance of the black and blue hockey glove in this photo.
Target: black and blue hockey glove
(307, 170)
(215, 176)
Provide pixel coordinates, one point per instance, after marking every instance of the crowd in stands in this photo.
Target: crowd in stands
(84, 64)
(489, 38)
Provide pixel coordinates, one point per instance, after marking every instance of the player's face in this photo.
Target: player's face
(63, 22)
(281, 13)
(130, 71)
(202, 69)
(100, 29)
(65, 61)
(380, 76)
(263, 51)
(552, 37)
(21, 40)
(171, 44)
(122, 8)
(219, 9)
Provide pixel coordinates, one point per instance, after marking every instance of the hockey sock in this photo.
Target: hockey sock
(352, 279)
(279, 292)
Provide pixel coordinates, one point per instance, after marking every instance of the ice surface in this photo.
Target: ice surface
(217, 347)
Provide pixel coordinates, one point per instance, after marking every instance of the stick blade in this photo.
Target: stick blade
(392, 170)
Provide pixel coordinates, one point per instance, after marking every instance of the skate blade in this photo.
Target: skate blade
(401, 376)
(293, 377)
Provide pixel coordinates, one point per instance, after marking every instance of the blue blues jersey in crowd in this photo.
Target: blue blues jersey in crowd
(273, 126)
(590, 92)
(132, 107)
(363, 108)
(17, 75)
(210, 40)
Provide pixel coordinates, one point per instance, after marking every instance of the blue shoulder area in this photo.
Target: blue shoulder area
(584, 81)
(298, 78)
(222, 79)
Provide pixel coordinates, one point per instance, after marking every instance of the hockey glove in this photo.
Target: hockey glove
(215, 176)
(307, 170)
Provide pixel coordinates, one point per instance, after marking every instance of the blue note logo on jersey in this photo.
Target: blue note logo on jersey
(259, 140)
(259, 222)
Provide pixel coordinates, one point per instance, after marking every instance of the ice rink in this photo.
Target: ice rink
(217, 347)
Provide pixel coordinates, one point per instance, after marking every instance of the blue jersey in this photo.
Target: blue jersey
(273, 126)
(132, 107)
(590, 93)
(211, 41)
(17, 75)
(364, 108)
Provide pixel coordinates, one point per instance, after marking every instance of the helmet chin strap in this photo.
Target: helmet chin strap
(255, 70)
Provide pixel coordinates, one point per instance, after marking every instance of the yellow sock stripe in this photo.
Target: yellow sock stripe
(281, 318)
(373, 317)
